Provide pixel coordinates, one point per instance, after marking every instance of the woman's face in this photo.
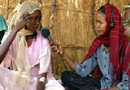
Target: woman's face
(34, 21)
(100, 23)
(126, 14)
(126, 20)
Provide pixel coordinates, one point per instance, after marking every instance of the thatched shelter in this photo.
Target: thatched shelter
(70, 23)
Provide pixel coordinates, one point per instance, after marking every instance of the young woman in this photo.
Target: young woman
(29, 56)
(108, 57)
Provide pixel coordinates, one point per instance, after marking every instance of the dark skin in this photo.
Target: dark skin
(33, 23)
(5, 46)
(41, 85)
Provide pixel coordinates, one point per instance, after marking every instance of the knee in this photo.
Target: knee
(65, 77)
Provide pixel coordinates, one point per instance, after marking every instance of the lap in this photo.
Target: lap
(76, 82)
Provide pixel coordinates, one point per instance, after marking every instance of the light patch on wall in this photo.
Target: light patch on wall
(69, 1)
(72, 1)
(1, 6)
(101, 1)
(68, 13)
(76, 3)
(81, 16)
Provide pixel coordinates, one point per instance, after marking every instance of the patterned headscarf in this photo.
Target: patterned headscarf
(116, 41)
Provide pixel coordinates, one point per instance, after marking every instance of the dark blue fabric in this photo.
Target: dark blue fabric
(75, 82)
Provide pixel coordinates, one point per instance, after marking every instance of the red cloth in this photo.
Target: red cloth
(116, 41)
(30, 44)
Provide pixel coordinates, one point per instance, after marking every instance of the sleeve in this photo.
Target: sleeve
(125, 83)
(87, 66)
(45, 60)
(7, 60)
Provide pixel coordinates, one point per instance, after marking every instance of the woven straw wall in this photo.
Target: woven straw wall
(70, 25)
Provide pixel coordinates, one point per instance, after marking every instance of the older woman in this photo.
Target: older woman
(29, 56)
(108, 57)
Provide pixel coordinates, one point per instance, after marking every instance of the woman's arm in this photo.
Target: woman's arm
(65, 56)
(5, 46)
(41, 81)
(69, 61)
(45, 65)
(81, 69)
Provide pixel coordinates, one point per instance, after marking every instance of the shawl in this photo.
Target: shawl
(117, 42)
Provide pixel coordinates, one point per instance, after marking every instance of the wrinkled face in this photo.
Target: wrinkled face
(100, 23)
(34, 21)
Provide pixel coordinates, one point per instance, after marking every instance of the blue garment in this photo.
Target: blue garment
(3, 27)
(101, 57)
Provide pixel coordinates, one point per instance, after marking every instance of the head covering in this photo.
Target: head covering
(114, 39)
(3, 27)
(20, 64)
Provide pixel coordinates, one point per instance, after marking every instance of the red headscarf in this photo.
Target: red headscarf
(116, 41)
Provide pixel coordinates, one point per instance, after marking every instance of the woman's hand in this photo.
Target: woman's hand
(39, 27)
(57, 48)
(41, 81)
(21, 22)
